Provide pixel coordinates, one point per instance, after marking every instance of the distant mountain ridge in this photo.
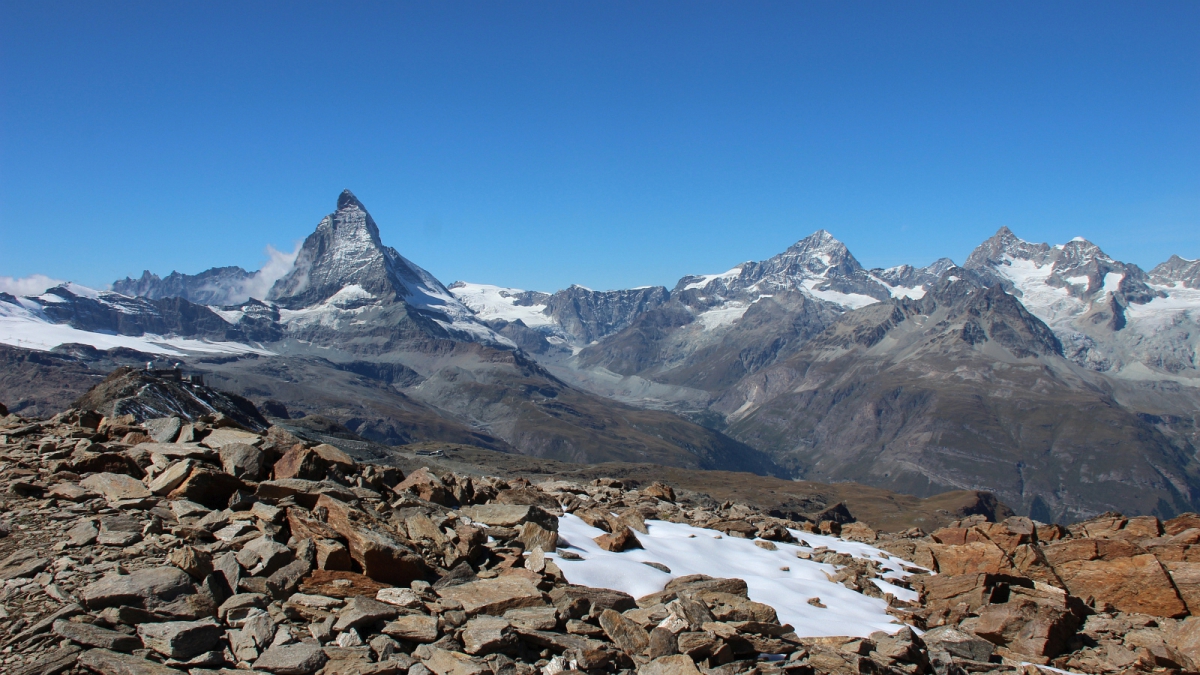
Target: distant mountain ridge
(1029, 364)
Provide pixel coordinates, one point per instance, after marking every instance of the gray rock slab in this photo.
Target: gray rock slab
(294, 659)
(89, 635)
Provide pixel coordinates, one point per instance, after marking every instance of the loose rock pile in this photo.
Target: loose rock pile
(174, 546)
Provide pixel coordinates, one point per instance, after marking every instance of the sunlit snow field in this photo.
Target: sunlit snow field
(692, 550)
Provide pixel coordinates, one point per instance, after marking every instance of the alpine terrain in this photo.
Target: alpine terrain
(1061, 379)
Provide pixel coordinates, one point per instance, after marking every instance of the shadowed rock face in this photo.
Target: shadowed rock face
(210, 287)
(1179, 271)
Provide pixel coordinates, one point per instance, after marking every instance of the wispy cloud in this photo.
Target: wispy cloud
(34, 284)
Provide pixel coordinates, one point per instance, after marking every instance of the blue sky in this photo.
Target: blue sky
(608, 144)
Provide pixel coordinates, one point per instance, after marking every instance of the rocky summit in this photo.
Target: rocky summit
(160, 547)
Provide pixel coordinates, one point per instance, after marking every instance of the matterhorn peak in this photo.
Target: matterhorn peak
(347, 200)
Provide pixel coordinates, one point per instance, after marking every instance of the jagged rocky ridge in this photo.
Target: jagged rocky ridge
(166, 547)
(511, 367)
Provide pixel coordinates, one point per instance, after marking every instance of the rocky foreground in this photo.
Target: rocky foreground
(174, 546)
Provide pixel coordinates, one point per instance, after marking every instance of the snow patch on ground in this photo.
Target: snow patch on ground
(692, 550)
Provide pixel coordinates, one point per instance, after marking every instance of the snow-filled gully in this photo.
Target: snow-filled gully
(773, 577)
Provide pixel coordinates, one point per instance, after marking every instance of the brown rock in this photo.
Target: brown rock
(1186, 577)
(486, 634)
(304, 526)
(1028, 623)
(534, 535)
(380, 554)
(676, 664)
(197, 563)
(977, 557)
(1134, 584)
(108, 662)
(624, 633)
(301, 462)
(332, 555)
(618, 541)
(425, 485)
(413, 627)
(337, 584)
(115, 486)
(1184, 521)
(208, 488)
(332, 455)
(442, 662)
(659, 491)
(494, 596)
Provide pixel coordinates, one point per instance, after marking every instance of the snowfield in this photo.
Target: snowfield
(776, 578)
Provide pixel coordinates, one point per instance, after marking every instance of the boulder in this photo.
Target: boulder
(443, 662)
(494, 596)
(486, 634)
(181, 640)
(626, 634)
(413, 628)
(1134, 584)
(976, 557)
(163, 429)
(380, 554)
(147, 588)
(221, 437)
(425, 485)
(208, 488)
(115, 486)
(90, 635)
(510, 515)
(618, 541)
(243, 460)
(676, 664)
(301, 463)
(171, 477)
(294, 659)
(108, 662)
(360, 611)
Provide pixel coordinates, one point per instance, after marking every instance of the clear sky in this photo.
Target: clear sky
(609, 144)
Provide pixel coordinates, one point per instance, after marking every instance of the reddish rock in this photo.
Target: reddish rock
(339, 584)
(618, 541)
(1184, 521)
(1131, 584)
(978, 557)
(380, 554)
(425, 485)
(208, 488)
(300, 462)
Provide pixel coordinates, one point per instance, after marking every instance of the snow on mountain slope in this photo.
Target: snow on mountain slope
(23, 324)
(774, 577)
(506, 304)
(1110, 315)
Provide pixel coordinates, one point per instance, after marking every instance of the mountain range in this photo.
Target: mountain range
(1059, 378)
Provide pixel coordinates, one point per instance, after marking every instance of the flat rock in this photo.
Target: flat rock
(485, 634)
(413, 627)
(108, 662)
(509, 515)
(171, 477)
(176, 451)
(444, 662)
(163, 429)
(676, 664)
(400, 597)
(243, 460)
(147, 588)
(115, 486)
(360, 611)
(494, 596)
(181, 640)
(222, 437)
(294, 659)
(94, 636)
